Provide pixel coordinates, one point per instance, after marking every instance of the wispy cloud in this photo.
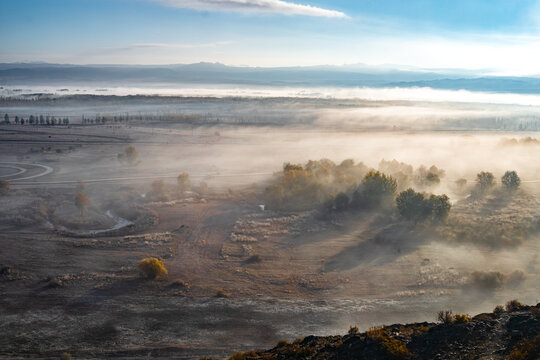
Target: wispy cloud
(258, 6)
(138, 46)
(177, 46)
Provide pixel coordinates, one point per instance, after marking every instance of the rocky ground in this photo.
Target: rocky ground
(513, 333)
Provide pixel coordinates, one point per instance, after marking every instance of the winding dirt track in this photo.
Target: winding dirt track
(22, 167)
(27, 167)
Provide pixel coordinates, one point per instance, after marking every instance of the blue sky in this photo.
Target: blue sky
(496, 35)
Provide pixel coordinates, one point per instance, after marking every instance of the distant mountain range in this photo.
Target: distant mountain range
(214, 73)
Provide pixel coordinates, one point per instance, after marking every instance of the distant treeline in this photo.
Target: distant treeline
(36, 120)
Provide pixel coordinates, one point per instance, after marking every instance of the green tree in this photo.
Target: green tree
(379, 189)
(158, 186)
(511, 180)
(82, 201)
(183, 182)
(131, 155)
(485, 181)
(412, 206)
(439, 207)
(6, 119)
(4, 187)
(341, 201)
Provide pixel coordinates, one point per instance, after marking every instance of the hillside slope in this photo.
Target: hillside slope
(510, 334)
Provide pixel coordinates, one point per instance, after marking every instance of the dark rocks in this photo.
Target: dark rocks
(486, 336)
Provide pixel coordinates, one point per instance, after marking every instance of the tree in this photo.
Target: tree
(510, 180)
(16, 120)
(157, 187)
(274, 196)
(415, 207)
(4, 187)
(412, 205)
(341, 201)
(152, 268)
(81, 186)
(6, 119)
(378, 188)
(131, 154)
(439, 206)
(183, 182)
(82, 201)
(485, 181)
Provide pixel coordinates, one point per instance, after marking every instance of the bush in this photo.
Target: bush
(152, 268)
(526, 349)
(445, 317)
(510, 180)
(283, 343)
(499, 309)
(353, 330)
(394, 348)
(514, 305)
(65, 356)
(462, 318)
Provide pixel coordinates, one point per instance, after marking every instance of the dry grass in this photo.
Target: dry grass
(394, 348)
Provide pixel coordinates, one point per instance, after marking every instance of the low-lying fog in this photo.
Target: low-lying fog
(237, 142)
(239, 91)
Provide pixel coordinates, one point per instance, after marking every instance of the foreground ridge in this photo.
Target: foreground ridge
(511, 333)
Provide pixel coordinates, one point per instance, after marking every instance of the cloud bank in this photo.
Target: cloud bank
(257, 6)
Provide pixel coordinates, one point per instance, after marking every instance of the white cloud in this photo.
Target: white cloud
(177, 46)
(260, 6)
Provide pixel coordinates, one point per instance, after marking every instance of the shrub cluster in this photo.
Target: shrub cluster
(446, 317)
(302, 187)
(393, 348)
(152, 268)
(416, 207)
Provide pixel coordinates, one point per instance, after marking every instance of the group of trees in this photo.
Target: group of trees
(130, 156)
(101, 120)
(485, 182)
(183, 184)
(302, 187)
(406, 176)
(350, 186)
(417, 207)
(36, 120)
(82, 201)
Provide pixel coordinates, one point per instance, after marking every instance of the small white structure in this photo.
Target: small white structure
(261, 207)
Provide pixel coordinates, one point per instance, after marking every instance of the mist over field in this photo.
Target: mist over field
(325, 180)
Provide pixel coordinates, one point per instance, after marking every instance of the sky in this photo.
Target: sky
(493, 36)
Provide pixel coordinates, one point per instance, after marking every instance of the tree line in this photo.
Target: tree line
(36, 120)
